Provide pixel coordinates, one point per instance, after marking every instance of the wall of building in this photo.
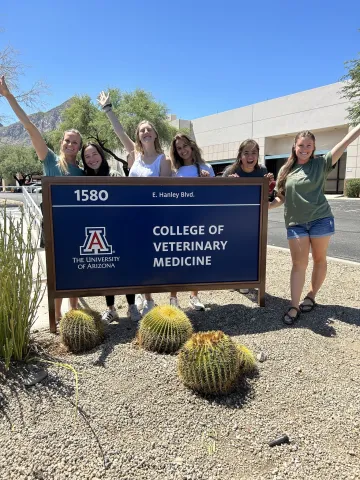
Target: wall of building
(353, 160)
(274, 124)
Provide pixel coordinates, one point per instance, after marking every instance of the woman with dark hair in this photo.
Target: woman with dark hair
(187, 161)
(95, 164)
(308, 217)
(247, 165)
(247, 161)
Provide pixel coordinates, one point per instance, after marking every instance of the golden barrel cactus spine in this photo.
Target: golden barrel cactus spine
(81, 330)
(209, 363)
(164, 329)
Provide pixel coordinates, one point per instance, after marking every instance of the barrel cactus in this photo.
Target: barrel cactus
(209, 363)
(164, 329)
(247, 360)
(81, 330)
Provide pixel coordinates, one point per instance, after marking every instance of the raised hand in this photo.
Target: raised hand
(4, 91)
(103, 99)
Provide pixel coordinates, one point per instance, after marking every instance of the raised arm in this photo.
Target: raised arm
(165, 167)
(104, 101)
(36, 138)
(340, 148)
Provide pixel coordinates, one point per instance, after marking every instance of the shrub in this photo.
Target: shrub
(81, 330)
(20, 286)
(164, 329)
(352, 188)
(209, 363)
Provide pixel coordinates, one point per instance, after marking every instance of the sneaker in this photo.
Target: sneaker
(245, 291)
(109, 316)
(148, 305)
(139, 301)
(133, 313)
(196, 304)
(174, 302)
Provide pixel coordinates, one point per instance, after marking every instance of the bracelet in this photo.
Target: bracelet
(107, 107)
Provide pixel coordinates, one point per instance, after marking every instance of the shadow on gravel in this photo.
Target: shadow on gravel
(238, 319)
(12, 383)
(121, 331)
(242, 394)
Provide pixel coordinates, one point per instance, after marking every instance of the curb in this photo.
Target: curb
(331, 259)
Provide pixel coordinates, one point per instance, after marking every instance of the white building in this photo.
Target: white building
(274, 124)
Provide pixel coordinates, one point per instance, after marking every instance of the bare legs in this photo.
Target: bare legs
(299, 249)
(319, 248)
(58, 302)
(193, 294)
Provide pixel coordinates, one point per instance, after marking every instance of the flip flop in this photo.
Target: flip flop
(288, 319)
(307, 307)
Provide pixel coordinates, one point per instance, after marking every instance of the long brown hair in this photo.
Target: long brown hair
(63, 165)
(287, 167)
(177, 161)
(243, 145)
(138, 144)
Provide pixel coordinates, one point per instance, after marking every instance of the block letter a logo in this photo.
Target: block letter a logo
(95, 242)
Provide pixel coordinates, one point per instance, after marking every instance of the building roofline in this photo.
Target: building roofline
(270, 100)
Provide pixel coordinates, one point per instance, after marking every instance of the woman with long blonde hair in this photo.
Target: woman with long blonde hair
(53, 165)
(308, 217)
(146, 159)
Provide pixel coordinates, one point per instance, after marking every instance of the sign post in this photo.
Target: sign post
(108, 236)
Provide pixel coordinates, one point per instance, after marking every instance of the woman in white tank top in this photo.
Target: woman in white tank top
(145, 159)
(187, 161)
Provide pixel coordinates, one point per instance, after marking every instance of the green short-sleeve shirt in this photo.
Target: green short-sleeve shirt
(304, 191)
(52, 169)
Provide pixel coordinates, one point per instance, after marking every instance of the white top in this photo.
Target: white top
(141, 169)
(191, 171)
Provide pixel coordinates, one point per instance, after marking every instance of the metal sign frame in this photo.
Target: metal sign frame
(53, 293)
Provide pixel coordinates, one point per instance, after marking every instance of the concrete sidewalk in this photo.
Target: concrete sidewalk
(338, 196)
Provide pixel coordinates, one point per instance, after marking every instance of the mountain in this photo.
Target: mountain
(15, 134)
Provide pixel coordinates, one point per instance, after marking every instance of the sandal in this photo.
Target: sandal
(288, 319)
(307, 307)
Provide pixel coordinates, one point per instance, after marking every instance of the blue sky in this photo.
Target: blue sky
(197, 57)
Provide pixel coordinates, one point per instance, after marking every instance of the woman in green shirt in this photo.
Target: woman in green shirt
(53, 165)
(308, 217)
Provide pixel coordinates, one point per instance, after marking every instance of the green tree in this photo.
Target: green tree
(131, 108)
(351, 89)
(19, 162)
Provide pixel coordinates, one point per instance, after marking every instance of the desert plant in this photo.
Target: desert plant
(209, 363)
(352, 188)
(164, 329)
(81, 330)
(20, 284)
(247, 360)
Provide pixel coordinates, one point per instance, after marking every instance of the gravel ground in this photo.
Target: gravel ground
(137, 421)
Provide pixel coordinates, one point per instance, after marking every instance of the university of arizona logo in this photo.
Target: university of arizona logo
(95, 242)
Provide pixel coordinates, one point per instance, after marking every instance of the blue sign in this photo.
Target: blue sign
(109, 236)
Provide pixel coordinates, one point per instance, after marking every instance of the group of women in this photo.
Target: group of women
(300, 187)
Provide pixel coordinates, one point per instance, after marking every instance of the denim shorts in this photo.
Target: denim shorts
(324, 227)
